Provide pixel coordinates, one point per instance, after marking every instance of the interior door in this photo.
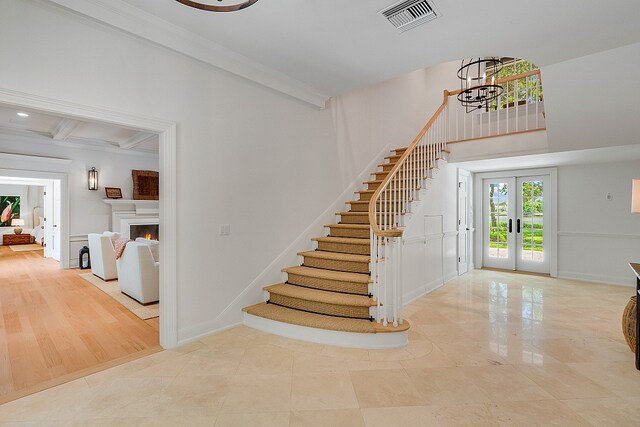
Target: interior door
(463, 224)
(499, 209)
(57, 208)
(531, 243)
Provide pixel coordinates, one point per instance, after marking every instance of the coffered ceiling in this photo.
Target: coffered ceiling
(72, 132)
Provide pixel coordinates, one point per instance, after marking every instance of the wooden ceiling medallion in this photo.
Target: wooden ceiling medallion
(212, 8)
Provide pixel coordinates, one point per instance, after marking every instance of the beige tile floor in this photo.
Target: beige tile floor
(489, 348)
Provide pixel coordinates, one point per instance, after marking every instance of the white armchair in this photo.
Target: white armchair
(103, 256)
(139, 273)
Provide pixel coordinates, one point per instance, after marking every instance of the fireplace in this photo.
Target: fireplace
(146, 231)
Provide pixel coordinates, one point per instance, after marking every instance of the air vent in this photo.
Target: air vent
(409, 14)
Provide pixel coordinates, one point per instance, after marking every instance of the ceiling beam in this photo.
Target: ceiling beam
(64, 129)
(136, 140)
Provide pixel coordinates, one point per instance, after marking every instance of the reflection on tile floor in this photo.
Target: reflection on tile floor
(489, 348)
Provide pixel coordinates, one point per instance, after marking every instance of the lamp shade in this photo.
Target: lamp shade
(635, 196)
(16, 222)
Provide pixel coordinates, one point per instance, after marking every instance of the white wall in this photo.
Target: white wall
(597, 238)
(593, 101)
(430, 250)
(264, 163)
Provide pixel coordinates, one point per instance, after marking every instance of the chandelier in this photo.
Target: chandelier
(212, 8)
(478, 82)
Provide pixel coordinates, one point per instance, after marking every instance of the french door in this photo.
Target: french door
(515, 230)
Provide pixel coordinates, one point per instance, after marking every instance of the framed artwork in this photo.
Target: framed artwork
(9, 209)
(113, 192)
(146, 185)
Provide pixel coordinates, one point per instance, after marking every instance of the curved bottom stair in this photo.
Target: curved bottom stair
(323, 329)
(328, 298)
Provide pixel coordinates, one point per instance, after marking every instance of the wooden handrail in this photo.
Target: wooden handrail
(504, 80)
(374, 198)
(372, 217)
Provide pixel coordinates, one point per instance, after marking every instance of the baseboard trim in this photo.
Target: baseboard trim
(428, 288)
(599, 279)
(190, 335)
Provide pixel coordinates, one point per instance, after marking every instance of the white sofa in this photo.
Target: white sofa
(102, 254)
(139, 272)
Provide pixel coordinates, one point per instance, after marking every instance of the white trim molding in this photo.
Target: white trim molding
(147, 26)
(597, 278)
(44, 168)
(168, 185)
(598, 235)
(552, 195)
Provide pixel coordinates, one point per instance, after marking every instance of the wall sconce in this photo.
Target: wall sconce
(93, 179)
(635, 196)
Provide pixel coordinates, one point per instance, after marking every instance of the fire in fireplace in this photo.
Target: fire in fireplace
(146, 231)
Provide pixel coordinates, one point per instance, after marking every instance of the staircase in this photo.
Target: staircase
(349, 291)
(332, 290)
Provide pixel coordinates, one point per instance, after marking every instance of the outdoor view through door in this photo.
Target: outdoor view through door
(514, 223)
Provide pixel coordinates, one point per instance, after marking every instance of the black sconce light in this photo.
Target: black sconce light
(93, 179)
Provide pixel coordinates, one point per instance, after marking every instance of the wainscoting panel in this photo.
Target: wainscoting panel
(598, 257)
(76, 242)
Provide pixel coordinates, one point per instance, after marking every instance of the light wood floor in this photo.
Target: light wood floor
(55, 326)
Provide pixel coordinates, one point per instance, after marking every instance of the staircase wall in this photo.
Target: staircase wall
(247, 156)
(430, 241)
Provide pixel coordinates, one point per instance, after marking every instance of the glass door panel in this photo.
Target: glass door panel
(531, 242)
(499, 244)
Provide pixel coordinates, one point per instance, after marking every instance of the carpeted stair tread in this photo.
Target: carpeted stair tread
(312, 320)
(329, 274)
(344, 240)
(351, 226)
(350, 213)
(363, 202)
(332, 289)
(336, 256)
(320, 296)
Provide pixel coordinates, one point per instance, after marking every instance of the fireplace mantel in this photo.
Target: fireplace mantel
(140, 207)
(126, 212)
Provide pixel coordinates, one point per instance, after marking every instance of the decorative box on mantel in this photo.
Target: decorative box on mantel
(125, 213)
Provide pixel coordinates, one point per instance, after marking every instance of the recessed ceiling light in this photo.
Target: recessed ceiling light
(23, 114)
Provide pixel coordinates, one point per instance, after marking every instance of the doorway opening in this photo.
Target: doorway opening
(85, 322)
(31, 215)
(518, 212)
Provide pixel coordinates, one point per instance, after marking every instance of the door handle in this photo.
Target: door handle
(510, 225)
(518, 226)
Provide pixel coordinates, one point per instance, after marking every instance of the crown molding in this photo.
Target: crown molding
(147, 26)
(50, 160)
